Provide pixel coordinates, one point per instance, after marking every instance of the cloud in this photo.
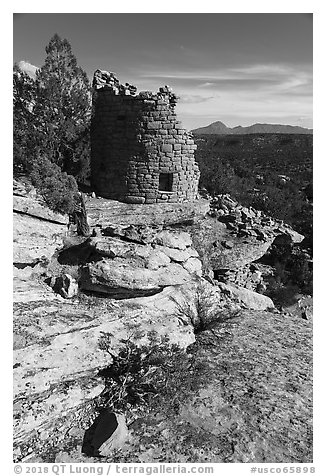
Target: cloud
(207, 85)
(194, 98)
(239, 83)
(28, 68)
(227, 72)
(277, 78)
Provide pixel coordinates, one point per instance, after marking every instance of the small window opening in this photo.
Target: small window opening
(165, 183)
(121, 117)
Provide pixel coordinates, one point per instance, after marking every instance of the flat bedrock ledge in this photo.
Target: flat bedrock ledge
(103, 212)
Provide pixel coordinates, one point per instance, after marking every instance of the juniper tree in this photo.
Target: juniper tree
(25, 129)
(63, 104)
(51, 125)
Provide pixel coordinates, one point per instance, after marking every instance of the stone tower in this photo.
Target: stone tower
(140, 152)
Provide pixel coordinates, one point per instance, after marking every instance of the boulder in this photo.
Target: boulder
(141, 234)
(121, 278)
(118, 248)
(110, 433)
(152, 256)
(66, 286)
(193, 266)
(208, 237)
(227, 244)
(27, 288)
(294, 236)
(156, 259)
(250, 299)
(302, 307)
(138, 267)
(180, 240)
(113, 247)
(178, 255)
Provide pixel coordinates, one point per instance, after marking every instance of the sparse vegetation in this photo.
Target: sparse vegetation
(250, 168)
(271, 173)
(148, 375)
(201, 313)
(293, 272)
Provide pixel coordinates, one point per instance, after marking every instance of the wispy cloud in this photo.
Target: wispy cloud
(194, 98)
(272, 77)
(246, 93)
(227, 72)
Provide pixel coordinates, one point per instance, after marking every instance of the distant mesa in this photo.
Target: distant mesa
(219, 128)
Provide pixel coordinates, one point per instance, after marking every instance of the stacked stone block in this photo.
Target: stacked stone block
(140, 152)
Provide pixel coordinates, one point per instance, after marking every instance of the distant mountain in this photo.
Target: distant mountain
(220, 128)
(215, 128)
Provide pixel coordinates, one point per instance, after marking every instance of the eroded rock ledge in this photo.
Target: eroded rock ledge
(102, 212)
(57, 355)
(38, 231)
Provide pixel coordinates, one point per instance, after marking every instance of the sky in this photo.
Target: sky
(238, 68)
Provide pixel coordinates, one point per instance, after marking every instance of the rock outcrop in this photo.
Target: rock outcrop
(118, 279)
(233, 237)
(157, 268)
(253, 403)
(250, 299)
(57, 354)
(129, 269)
(103, 213)
(38, 231)
(248, 222)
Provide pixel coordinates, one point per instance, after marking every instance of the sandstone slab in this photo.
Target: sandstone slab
(103, 212)
(28, 205)
(251, 398)
(119, 278)
(35, 238)
(57, 353)
(251, 299)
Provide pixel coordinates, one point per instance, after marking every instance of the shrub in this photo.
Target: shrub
(58, 189)
(156, 374)
(200, 312)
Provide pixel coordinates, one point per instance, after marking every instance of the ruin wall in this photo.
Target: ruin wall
(139, 151)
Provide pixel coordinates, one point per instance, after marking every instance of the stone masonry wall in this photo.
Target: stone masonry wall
(140, 152)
